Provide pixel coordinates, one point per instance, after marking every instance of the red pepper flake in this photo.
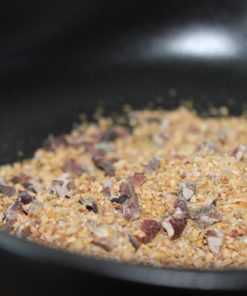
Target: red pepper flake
(137, 179)
(153, 165)
(181, 209)
(239, 152)
(131, 209)
(71, 166)
(150, 229)
(214, 240)
(174, 227)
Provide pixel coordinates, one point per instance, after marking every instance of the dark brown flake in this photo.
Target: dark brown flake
(120, 199)
(134, 242)
(25, 198)
(90, 204)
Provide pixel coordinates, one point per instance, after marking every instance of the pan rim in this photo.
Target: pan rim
(154, 276)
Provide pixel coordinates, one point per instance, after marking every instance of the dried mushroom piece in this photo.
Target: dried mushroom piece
(239, 152)
(112, 133)
(153, 165)
(34, 206)
(128, 189)
(131, 209)
(137, 179)
(174, 226)
(187, 190)
(25, 198)
(214, 240)
(180, 208)
(206, 215)
(102, 163)
(12, 211)
(71, 166)
(21, 179)
(63, 186)
(106, 190)
(7, 190)
(150, 229)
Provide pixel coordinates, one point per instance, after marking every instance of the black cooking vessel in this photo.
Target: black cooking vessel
(109, 53)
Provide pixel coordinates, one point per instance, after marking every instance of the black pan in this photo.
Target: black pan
(109, 53)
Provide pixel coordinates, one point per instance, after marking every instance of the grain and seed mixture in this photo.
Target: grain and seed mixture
(169, 190)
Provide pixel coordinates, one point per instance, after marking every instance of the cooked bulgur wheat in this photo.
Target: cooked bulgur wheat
(168, 190)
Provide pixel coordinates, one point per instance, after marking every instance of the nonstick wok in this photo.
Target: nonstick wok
(109, 53)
